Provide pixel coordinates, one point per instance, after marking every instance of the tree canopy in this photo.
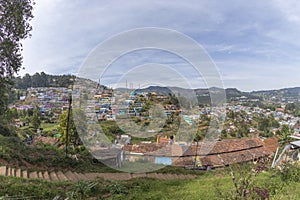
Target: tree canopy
(43, 80)
(73, 133)
(35, 120)
(14, 27)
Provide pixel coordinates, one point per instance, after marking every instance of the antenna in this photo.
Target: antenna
(98, 85)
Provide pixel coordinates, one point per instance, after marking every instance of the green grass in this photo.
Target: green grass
(24, 127)
(32, 188)
(207, 186)
(45, 157)
(48, 126)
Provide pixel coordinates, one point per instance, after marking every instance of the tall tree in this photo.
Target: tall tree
(35, 119)
(26, 81)
(80, 124)
(14, 27)
(284, 137)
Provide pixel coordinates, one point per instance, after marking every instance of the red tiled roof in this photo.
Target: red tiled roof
(224, 146)
(234, 157)
(217, 153)
(143, 148)
(271, 143)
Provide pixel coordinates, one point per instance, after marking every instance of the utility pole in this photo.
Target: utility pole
(68, 122)
(68, 118)
(99, 85)
(197, 138)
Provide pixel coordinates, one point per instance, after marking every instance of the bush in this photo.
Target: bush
(116, 187)
(244, 177)
(5, 130)
(289, 172)
(81, 190)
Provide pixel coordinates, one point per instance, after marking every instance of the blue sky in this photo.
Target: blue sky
(254, 44)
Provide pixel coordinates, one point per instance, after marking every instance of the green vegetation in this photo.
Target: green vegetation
(46, 157)
(284, 135)
(292, 108)
(265, 123)
(80, 123)
(15, 27)
(236, 182)
(48, 127)
(43, 80)
(211, 185)
(35, 120)
(31, 188)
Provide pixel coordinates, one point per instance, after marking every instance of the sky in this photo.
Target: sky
(254, 45)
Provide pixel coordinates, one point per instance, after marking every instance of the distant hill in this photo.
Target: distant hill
(203, 94)
(287, 93)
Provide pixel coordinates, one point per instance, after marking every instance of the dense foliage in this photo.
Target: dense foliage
(43, 80)
(75, 128)
(14, 28)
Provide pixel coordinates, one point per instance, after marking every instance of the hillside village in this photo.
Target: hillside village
(259, 125)
(149, 100)
(48, 100)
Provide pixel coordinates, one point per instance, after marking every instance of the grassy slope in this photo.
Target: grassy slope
(204, 187)
(48, 126)
(32, 188)
(44, 157)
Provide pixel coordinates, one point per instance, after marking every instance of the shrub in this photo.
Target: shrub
(289, 172)
(116, 187)
(243, 177)
(81, 190)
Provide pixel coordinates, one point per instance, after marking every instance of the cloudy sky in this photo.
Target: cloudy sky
(254, 44)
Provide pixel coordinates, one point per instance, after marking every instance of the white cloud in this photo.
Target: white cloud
(242, 37)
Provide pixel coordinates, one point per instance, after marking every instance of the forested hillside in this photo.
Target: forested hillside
(43, 80)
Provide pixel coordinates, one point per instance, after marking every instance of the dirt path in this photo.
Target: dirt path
(74, 176)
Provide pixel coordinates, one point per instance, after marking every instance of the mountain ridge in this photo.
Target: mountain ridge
(46, 80)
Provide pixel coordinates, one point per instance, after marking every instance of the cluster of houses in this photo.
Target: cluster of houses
(204, 155)
(50, 100)
(278, 114)
(208, 154)
(109, 105)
